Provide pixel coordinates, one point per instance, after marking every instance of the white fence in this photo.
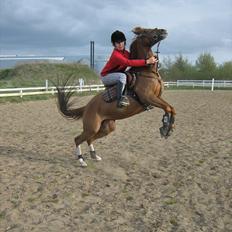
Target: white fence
(9, 92)
(205, 83)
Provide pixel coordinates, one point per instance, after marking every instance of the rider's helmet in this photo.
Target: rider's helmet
(117, 36)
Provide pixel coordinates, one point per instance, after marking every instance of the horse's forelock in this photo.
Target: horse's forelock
(138, 30)
(133, 48)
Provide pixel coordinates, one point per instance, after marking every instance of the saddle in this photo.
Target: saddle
(110, 93)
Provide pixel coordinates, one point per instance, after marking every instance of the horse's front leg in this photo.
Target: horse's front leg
(169, 116)
(168, 120)
(168, 125)
(149, 91)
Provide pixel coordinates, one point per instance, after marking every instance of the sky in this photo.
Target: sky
(58, 27)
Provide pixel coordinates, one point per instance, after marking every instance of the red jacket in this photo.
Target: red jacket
(119, 61)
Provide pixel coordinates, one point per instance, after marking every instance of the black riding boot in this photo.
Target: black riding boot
(121, 99)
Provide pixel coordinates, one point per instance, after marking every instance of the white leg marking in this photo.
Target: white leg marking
(79, 156)
(91, 147)
(93, 153)
(78, 150)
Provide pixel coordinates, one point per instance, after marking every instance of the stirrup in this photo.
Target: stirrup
(123, 102)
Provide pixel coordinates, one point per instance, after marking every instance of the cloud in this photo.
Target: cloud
(66, 27)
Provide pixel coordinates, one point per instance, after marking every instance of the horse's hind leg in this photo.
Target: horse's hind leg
(89, 131)
(107, 126)
(78, 141)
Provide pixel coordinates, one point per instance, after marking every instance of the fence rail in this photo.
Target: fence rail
(9, 92)
(205, 83)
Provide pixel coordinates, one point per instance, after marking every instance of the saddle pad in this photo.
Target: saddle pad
(110, 94)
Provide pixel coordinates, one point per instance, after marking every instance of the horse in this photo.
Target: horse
(99, 117)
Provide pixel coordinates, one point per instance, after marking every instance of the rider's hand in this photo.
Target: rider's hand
(151, 60)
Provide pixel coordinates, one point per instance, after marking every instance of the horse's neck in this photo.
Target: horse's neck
(141, 69)
(148, 70)
(137, 51)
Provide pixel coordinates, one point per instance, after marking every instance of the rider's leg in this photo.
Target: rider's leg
(119, 79)
(121, 98)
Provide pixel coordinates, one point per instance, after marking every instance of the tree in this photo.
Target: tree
(166, 67)
(206, 66)
(225, 71)
(179, 69)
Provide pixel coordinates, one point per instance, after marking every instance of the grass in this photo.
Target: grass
(2, 215)
(170, 202)
(173, 221)
(18, 99)
(35, 74)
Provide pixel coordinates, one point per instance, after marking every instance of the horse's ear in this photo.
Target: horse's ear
(138, 30)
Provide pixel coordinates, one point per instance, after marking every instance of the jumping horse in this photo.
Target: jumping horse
(99, 116)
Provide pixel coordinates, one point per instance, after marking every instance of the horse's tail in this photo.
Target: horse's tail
(65, 105)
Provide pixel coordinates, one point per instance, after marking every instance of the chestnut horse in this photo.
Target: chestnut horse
(99, 116)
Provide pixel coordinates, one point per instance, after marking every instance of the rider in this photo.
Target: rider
(113, 71)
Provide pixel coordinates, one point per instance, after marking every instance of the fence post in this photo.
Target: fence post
(21, 93)
(212, 87)
(81, 83)
(46, 85)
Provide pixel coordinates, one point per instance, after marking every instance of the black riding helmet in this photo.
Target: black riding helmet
(117, 36)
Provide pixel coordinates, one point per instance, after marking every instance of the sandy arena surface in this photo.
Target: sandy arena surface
(144, 183)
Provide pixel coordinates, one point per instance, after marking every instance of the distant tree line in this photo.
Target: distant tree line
(204, 68)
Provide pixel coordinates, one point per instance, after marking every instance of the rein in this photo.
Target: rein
(157, 54)
(153, 73)
(157, 65)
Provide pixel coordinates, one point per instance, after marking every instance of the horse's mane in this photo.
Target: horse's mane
(137, 48)
(136, 45)
(133, 48)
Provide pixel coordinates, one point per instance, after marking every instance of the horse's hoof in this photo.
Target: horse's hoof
(83, 163)
(98, 158)
(165, 132)
(94, 156)
(170, 132)
(161, 132)
(81, 160)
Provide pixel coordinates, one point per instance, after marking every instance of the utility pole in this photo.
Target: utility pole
(92, 54)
